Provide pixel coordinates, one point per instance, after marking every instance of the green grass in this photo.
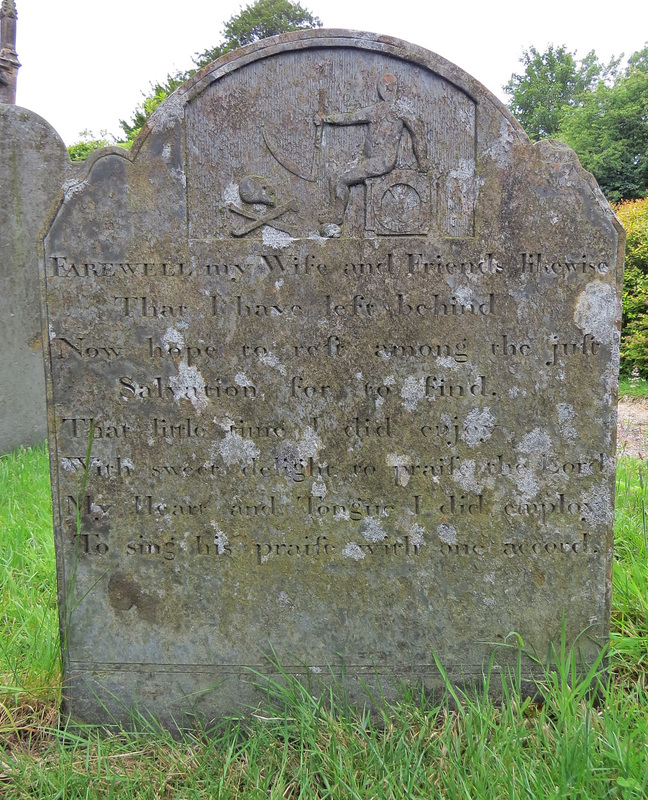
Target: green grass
(630, 573)
(588, 738)
(633, 388)
(29, 650)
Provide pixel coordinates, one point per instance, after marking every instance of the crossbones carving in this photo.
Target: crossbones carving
(254, 190)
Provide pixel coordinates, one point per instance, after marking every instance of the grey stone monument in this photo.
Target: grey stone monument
(336, 346)
(33, 166)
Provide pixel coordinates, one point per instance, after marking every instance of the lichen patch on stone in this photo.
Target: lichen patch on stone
(412, 392)
(537, 441)
(72, 187)
(189, 384)
(446, 362)
(309, 443)
(566, 417)
(173, 338)
(372, 529)
(597, 311)
(526, 482)
(447, 533)
(416, 535)
(278, 240)
(271, 360)
(230, 194)
(465, 476)
(597, 506)
(241, 379)
(284, 600)
(234, 449)
(464, 295)
(220, 539)
(478, 426)
(500, 147)
(353, 550)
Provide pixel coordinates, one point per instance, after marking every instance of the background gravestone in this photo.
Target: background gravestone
(33, 167)
(345, 344)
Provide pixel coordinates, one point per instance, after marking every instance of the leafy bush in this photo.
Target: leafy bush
(609, 131)
(89, 142)
(599, 110)
(634, 334)
(551, 82)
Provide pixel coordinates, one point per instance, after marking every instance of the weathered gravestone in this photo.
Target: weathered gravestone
(347, 343)
(33, 166)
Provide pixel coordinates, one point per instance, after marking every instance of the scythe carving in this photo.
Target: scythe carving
(288, 163)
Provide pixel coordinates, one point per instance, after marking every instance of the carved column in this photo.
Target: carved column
(9, 64)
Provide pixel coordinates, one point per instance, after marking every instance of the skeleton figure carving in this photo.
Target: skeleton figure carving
(386, 122)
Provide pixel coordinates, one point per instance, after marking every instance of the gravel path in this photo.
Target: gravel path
(632, 427)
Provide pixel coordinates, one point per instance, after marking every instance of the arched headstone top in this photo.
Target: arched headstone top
(435, 142)
(341, 38)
